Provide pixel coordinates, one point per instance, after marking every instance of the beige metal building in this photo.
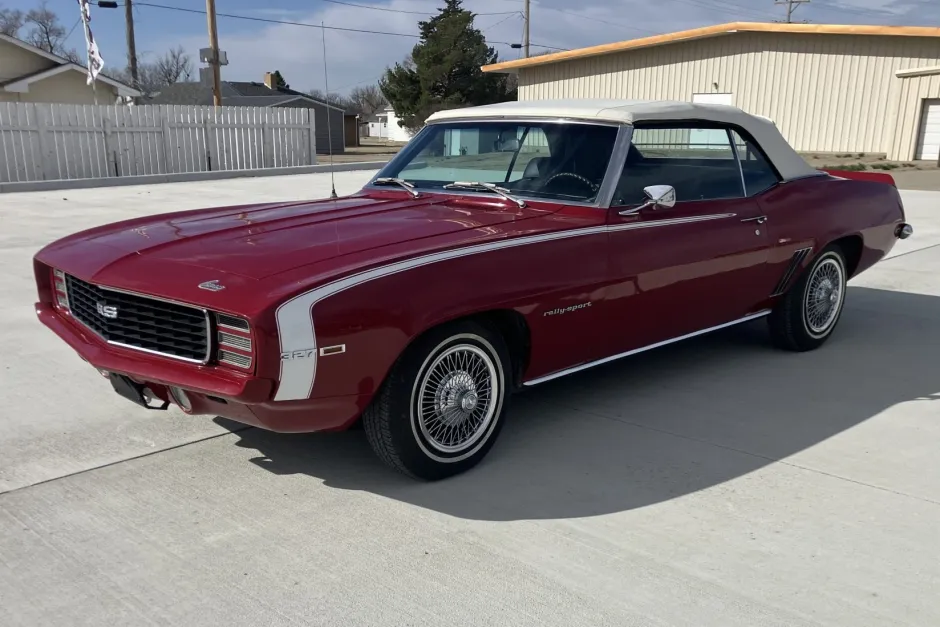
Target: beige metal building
(829, 88)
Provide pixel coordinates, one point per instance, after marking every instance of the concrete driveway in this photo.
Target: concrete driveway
(716, 482)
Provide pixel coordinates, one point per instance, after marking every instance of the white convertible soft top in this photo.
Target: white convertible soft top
(788, 162)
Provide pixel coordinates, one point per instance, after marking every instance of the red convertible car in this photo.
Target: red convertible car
(504, 246)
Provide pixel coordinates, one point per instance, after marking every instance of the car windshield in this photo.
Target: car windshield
(541, 160)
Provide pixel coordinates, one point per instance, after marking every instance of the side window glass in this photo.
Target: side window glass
(758, 175)
(698, 162)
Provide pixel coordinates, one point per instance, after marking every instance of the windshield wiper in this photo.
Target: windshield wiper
(493, 187)
(390, 180)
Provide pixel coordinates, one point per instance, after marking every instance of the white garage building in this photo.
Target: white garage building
(830, 88)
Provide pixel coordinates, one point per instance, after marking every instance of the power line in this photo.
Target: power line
(308, 25)
(734, 10)
(495, 24)
(792, 5)
(428, 12)
(72, 30)
(594, 19)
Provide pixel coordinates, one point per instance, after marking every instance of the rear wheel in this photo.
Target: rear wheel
(442, 406)
(808, 313)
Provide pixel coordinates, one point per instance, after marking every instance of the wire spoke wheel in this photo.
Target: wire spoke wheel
(457, 398)
(824, 295)
(806, 315)
(441, 406)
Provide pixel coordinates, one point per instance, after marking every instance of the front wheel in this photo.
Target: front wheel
(808, 313)
(441, 408)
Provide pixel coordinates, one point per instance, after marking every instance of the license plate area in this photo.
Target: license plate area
(134, 392)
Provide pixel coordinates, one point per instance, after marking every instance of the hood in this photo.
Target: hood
(258, 241)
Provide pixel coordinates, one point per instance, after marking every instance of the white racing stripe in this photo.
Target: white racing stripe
(296, 332)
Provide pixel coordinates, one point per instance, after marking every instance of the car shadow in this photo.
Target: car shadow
(658, 425)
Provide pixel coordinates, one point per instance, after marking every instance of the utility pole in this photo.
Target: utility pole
(131, 43)
(214, 60)
(791, 7)
(525, 34)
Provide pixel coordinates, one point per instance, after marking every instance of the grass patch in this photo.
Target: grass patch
(884, 166)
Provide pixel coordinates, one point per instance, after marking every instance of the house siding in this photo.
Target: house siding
(16, 62)
(826, 93)
(65, 88)
(324, 134)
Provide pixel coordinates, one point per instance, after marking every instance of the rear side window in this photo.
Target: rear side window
(758, 174)
(698, 162)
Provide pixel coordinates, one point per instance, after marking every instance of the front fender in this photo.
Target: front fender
(366, 327)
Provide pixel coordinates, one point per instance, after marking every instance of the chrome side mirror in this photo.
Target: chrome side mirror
(657, 197)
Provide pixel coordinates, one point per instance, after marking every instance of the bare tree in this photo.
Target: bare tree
(334, 99)
(47, 33)
(368, 99)
(45, 30)
(11, 21)
(172, 67)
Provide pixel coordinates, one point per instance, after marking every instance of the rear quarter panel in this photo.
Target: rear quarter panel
(816, 211)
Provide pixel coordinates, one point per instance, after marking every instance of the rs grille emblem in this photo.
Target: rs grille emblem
(106, 311)
(212, 286)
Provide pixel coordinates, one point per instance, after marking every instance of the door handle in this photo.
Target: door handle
(758, 219)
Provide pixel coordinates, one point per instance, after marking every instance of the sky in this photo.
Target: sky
(359, 58)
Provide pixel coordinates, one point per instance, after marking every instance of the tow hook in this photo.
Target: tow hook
(903, 231)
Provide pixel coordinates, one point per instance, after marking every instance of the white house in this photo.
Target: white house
(387, 127)
(379, 126)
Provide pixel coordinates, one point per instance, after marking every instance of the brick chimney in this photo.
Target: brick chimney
(270, 81)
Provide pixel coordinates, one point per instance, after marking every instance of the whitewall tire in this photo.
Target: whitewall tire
(806, 316)
(441, 408)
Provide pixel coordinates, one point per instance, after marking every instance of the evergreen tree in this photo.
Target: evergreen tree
(279, 80)
(443, 71)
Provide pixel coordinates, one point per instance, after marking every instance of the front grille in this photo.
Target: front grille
(140, 322)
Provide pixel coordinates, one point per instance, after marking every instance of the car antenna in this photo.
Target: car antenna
(329, 126)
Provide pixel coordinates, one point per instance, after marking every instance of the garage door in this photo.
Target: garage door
(928, 144)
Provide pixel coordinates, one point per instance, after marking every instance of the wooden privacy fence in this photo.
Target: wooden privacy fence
(41, 142)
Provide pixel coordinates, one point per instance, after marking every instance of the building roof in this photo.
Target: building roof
(714, 31)
(236, 94)
(37, 51)
(787, 161)
(251, 89)
(22, 83)
(266, 101)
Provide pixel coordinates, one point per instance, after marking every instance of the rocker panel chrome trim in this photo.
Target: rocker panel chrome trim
(567, 371)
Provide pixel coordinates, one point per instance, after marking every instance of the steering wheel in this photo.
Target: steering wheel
(574, 176)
